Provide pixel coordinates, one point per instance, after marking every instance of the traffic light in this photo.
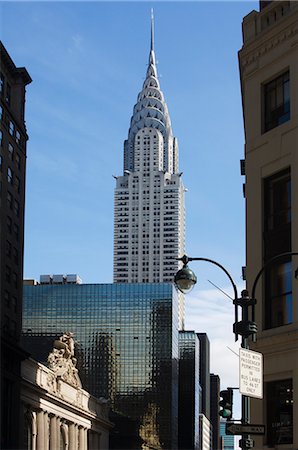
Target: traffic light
(226, 403)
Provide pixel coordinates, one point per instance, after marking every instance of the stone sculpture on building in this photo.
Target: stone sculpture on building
(58, 413)
(62, 360)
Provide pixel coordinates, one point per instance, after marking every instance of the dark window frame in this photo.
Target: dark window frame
(2, 83)
(279, 414)
(276, 101)
(276, 240)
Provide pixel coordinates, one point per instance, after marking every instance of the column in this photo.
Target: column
(53, 432)
(71, 431)
(40, 431)
(46, 430)
(76, 434)
(85, 439)
(81, 438)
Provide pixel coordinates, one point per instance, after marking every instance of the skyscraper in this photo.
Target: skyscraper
(190, 391)
(228, 442)
(214, 407)
(149, 196)
(205, 372)
(13, 140)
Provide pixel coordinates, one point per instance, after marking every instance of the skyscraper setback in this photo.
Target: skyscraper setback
(149, 196)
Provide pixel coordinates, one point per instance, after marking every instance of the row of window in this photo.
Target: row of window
(13, 179)
(5, 89)
(10, 301)
(13, 131)
(13, 228)
(9, 326)
(12, 252)
(13, 204)
(11, 277)
(13, 155)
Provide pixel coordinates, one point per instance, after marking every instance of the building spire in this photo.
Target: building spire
(152, 31)
(151, 54)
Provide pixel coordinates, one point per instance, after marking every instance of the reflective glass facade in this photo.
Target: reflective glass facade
(228, 441)
(189, 390)
(126, 347)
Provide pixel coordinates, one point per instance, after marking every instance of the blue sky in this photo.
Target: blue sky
(88, 62)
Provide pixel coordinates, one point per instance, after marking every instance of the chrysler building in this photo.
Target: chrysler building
(149, 196)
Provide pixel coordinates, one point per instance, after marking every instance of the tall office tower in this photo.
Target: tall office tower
(126, 349)
(205, 372)
(227, 441)
(149, 197)
(214, 407)
(190, 391)
(268, 64)
(13, 138)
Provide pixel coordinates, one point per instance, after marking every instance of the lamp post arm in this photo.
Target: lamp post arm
(268, 263)
(185, 260)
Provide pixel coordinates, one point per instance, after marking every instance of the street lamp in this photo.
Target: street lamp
(185, 279)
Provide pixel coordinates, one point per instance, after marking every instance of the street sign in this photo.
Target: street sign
(239, 428)
(251, 373)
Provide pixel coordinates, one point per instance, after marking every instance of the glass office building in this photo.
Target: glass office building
(126, 346)
(190, 392)
(228, 441)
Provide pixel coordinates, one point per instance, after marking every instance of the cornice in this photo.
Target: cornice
(248, 57)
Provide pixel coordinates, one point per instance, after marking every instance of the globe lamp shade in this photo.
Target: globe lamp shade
(185, 279)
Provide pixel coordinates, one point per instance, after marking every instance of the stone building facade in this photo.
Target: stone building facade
(268, 64)
(57, 412)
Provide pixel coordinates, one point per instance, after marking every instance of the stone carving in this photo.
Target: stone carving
(62, 361)
(51, 383)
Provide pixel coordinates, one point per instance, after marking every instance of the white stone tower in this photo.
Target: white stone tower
(149, 222)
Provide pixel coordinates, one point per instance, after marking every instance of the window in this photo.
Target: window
(14, 303)
(18, 161)
(2, 82)
(16, 208)
(7, 298)
(1, 113)
(10, 151)
(17, 183)
(277, 102)
(16, 231)
(15, 256)
(15, 279)
(8, 249)
(9, 200)
(9, 224)
(18, 137)
(277, 239)
(279, 412)
(11, 128)
(9, 175)
(8, 93)
(7, 274)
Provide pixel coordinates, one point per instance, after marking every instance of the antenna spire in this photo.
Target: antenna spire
(152, 31)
